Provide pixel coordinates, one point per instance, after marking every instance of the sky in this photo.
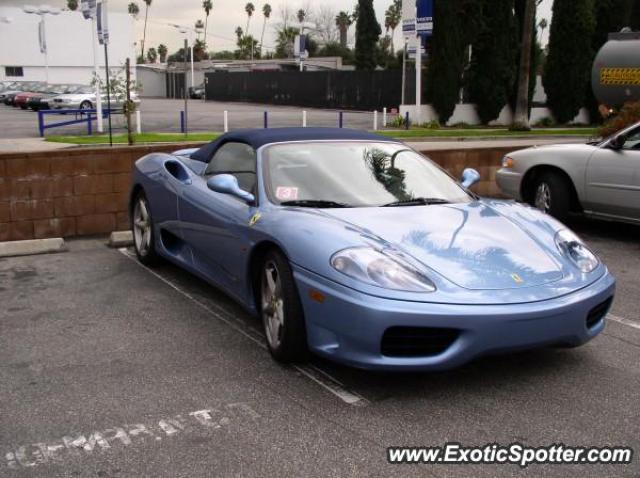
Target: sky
(226, 16)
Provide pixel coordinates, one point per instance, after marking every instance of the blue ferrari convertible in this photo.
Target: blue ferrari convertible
(357, 248)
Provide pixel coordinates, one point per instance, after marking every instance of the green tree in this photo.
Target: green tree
(146, 17)
(284, 42)
(343, 22)
(455, 25)
(611, 16)
(568, 65)
(367, 34)
(634, 20)
(152, 55)
(336, 49)
(493, 66)
(207, 6)
(200, 50)
(133, 9)
(72, 5)
(162, 52)
(266, 13)
(246, 44)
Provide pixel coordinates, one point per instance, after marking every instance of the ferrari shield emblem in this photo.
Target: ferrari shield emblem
(254, 219)
(517, 279)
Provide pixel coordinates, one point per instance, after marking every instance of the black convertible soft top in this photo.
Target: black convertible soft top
(260, 137)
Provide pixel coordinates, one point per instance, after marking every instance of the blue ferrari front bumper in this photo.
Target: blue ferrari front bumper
(382, 334)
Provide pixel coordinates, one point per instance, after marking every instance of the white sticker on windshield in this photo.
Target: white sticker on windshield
(287, 193)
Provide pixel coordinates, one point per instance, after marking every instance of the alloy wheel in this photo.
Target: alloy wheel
(543, 197)
(142, 227)
(272, 304)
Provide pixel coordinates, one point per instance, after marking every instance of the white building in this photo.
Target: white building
(68, 39)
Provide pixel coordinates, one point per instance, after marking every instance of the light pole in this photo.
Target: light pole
(188, 36)
(42, 11)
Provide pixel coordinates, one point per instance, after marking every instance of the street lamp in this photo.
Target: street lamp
(188, 34)
(42, 11)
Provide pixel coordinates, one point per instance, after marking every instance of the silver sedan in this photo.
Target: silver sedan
(600, 179)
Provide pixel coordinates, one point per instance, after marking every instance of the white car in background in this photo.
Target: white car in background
(85, 99)
(600, 179)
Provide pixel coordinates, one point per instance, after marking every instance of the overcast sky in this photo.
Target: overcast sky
(225, 17)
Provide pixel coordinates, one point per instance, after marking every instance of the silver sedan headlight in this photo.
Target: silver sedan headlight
(381, 269)
(572, 247)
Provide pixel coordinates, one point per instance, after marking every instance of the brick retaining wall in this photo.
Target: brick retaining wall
(84, 191)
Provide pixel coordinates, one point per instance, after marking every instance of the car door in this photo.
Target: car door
(214, 224)
(613, 179)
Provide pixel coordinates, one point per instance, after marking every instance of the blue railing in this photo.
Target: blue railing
(86, 116)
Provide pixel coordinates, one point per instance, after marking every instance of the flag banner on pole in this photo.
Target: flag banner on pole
(408, 18)
(88, 9)
(102, 15)
(424, 21)
(41, 37)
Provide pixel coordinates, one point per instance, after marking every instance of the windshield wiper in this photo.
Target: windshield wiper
(316, 203)
(418, 202)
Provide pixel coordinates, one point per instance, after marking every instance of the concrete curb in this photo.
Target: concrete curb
(121, 239)
(28, 248)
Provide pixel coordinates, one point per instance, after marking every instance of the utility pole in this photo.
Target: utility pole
(521, 116)
(184, 89)
(127, 107)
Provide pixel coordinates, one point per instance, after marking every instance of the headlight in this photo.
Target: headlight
(572, 247)
(507, 162)
(380, 269)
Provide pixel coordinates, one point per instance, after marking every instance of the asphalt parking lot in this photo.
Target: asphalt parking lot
(163, 115)
(109, 369)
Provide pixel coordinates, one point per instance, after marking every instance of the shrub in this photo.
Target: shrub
(628, 115)
(434, 124)
(545, 122)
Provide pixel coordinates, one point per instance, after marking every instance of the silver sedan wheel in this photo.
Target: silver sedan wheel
(272, 304)
(543, 197)
(142, 227)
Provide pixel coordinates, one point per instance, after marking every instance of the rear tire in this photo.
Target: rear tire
(281, 310)
(552, 195)
(143, 231)
(86, 105)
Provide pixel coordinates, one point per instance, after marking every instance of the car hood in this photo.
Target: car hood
(549, 148)
(471, 245)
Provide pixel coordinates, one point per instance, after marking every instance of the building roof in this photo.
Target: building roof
(257, 138)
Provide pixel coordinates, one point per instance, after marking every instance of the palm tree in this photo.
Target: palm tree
(249, 8)
(133, 9)
(343, 22)
(72, 5)
(146, 16)
(208, 6)
(199, 26)
(162, 51)
(542, 26)
(521, 116)
(392, 18)
(152, 55)
(301, 15)
(266, 11)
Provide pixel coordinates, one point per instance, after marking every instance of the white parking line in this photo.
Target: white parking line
(621, 320)
(313, 373)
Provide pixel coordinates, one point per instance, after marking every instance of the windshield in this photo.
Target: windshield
(355, 174)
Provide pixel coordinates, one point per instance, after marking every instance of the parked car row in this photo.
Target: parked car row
(42, 96)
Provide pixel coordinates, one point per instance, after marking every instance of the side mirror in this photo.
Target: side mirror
(228, 184)
(469, 178)
(618, 142)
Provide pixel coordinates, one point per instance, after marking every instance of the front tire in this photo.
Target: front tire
(86, 105)
(552, 195)
(143, 231)
(281, 310)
